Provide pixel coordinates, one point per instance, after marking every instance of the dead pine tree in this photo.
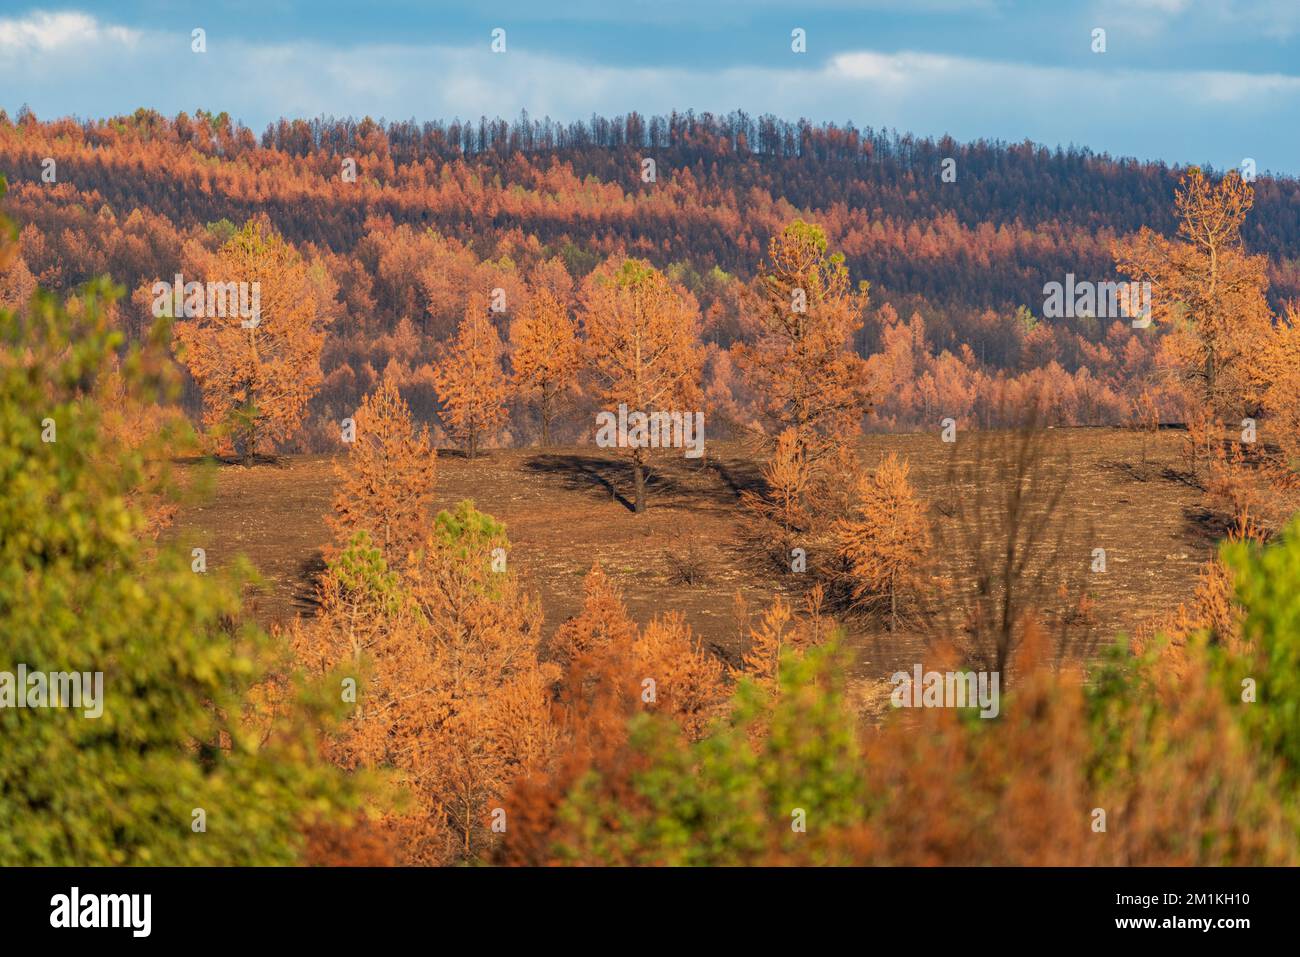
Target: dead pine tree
(470, 382)
(1007, 541)
(547, 355)
(643, 349)
(885, 540)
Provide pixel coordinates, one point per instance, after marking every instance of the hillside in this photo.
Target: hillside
(564, 510)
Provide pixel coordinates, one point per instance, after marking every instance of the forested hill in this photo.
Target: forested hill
(1016, 216)
(404, 222)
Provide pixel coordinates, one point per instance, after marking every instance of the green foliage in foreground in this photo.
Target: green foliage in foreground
(1267, 581)
(714, 802)
(187, 721)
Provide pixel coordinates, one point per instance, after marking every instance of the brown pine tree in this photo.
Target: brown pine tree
(386, 481)
(1213, 610)
(257, 372)
(603, 622)
(1208, 290)
(451, 700)
(676, 677)
(1280, 367)
(660, 668)
(490, 707)
(783, 509)
(643, 346)
(802, 364)
(780, 632)
(886, 540)
(470, 383)
(16, 281)
(547, 354)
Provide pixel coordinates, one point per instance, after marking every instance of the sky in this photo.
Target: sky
(1211, 82)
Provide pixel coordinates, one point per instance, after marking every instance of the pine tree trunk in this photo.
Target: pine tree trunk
(638, 472)
(251, 449)
(548, 413)
(893, 604)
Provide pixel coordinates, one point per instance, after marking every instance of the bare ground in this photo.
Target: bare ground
(564, 509)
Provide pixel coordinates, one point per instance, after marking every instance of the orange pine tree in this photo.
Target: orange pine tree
(547, 353)
(802, 364)
(258, 371)
(783, 510)
(884, 543)
(659, 668)
(1212, 610)
(451, 699)
(1280, 365)
(16, 281)
(386, 482)
(675, 676)
(1208, 290)
(603, 622)
(643, 344)
(470, 383)
(781, 630)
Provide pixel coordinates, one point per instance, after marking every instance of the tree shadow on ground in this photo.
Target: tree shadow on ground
(227, 461)
(586, 472)
(737, 475)
(1205, 528)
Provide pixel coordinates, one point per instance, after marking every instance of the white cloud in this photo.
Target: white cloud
(42, 32)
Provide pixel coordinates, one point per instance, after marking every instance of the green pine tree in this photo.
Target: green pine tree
(195, 758)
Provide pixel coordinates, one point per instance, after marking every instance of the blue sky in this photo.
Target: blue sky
(1186, 81)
